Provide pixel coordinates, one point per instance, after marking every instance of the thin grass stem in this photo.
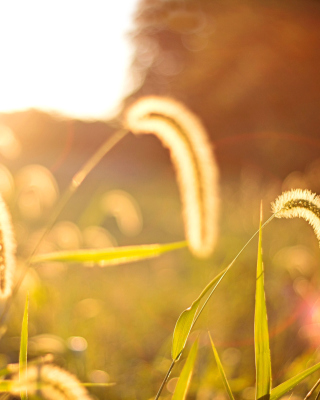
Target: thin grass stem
(230, 265)
(77, 180)
(312, 390)
(165, 380)
(208, 298)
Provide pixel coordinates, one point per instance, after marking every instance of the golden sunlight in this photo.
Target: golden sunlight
(65, 56)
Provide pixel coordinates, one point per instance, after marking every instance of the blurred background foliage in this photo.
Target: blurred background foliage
(250, 71)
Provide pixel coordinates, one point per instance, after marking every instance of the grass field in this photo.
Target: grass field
(114, 324)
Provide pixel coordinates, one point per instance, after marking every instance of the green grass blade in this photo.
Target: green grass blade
(182, 330)
(24, 346)
(110, 256)
(284, 387)
(188, 317)
(261, 335)
(74, 185)
(221, 370)
(186, 374)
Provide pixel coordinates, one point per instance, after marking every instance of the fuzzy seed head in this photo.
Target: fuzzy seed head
(299, 203)
(51, 383)
(184, 135)
(7, 251)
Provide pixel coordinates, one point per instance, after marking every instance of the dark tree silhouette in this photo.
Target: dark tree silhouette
(249, 69)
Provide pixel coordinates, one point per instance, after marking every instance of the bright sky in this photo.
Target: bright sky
(70, 56)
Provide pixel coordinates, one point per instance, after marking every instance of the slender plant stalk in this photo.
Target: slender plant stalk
(77, 180)
(165, 380)
(230, 265)
(312, 390)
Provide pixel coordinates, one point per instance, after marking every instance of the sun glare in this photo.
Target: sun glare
(70, 56)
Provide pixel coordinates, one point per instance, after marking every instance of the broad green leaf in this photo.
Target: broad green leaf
(24, 346)
(186, 374)
(188, 317)
(110, 256)
(284, 387)
(221, 370)
(261, 335)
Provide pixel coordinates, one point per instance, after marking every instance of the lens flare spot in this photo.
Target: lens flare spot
(96, 237)
(125, 209)
(171, 385)
(6, 183)
(77, 344)
(98, 376)
(66, 235)
(10, 146)
(297, 259)
(45, 343)
(231, 357)
(37, 191)
(88, 308)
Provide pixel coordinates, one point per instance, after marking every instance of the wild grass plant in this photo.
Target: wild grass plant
(37, 376)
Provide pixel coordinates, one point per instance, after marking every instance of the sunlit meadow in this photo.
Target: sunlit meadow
(171, 251)
(93, 306)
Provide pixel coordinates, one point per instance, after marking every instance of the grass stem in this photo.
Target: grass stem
(227, 269)
(165, 380)
(77, 180)
(312, 390)
(208, 298)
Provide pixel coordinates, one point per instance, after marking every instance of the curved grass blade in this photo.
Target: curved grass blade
(284, 387)
(77, 179)
(111, 256)
(186, 374)
(261, 334)
(24, 347)
(189, 316)
(221, 370)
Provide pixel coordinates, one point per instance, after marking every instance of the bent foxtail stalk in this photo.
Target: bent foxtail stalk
(51, 383)
(299, 203)
(7, 252)
(197, 174)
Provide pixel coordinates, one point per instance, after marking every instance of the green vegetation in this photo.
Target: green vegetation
(113, 328)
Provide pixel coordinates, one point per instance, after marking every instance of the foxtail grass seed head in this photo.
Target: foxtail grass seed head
(197, 173)
(51, 383)
(299, 203)
(7, 252)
